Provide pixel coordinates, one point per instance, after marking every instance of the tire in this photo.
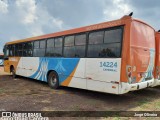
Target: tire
(13, 73)
(53, 80)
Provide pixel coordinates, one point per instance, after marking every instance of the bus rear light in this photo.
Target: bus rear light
(114, 87)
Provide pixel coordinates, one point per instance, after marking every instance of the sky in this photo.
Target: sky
(21, 19)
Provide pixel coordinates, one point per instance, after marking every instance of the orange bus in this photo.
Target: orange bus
(157, 61)
(112, 57)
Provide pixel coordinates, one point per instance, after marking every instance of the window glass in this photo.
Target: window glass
(80, 51)
(16, 50)
(69, 41)
(69, 52)
(28, 45)
(96, 37)
(19, 49)
(54, 52)
(42, 44)
(58, 52)
(11, 50)
(110, 47)
(36, 44)
(58, 42)
(39, 52)
(104, 50)
(27, 49)
(80, 39)
(114, 35)
(50, 43)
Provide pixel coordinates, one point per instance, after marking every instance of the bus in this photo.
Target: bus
(111, 57)
(1, 59)
(157, 61)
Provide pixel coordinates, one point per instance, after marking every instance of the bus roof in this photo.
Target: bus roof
(109, 24)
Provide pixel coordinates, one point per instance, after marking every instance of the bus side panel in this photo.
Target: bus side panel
(71, 71)
(12, 61)
(103, 74)
(79, 79)
(66, 68)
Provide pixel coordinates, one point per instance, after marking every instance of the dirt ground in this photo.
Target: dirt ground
(23, 94)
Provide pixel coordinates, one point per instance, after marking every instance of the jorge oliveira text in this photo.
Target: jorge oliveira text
(145, 114)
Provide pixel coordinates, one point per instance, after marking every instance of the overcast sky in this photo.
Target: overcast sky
(26, 18)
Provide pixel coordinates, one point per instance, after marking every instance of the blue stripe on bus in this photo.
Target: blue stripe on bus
(63, 67)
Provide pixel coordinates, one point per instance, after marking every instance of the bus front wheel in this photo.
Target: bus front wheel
(53, 80)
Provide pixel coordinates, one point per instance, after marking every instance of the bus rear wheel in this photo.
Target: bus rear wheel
(53, 80)
(13, 73)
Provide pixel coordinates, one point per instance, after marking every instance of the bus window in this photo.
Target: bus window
(58, 42)
(39, 48)
(11, 50)
(112, 36)
(58, 47)
(80, 45)
(50, 47)
(95, 43)
(111, 48)
(6, 51)
(96, 37)
(80, 39)
(69, 49)
(54, 47)
(27, 49)
(69, 41)
(19, 49)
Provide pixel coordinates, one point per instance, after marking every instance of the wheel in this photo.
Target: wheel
(13, 72)
(53, 80)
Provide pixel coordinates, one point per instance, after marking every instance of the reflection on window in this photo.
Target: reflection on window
(96, 37)
(54, 51)
(27, 49)
(110, 48)
(113, 36)
(50, 43)
(58, 42)
(39, 52)
(80, 39)
(42, 44)
(69, 41)
(36, 44)
(104, 50)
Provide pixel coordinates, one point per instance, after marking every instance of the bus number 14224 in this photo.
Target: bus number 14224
(108, 64)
